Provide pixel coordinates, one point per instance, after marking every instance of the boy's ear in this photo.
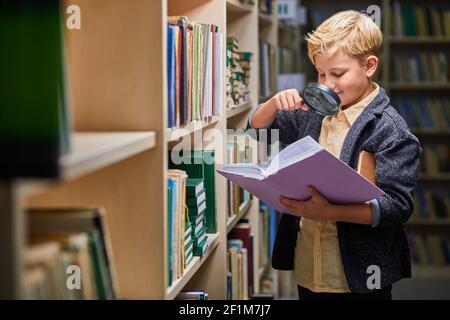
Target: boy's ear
(371, 65)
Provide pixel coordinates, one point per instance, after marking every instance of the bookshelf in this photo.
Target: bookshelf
(117, 72)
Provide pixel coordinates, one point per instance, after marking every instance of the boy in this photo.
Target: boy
(347, 251)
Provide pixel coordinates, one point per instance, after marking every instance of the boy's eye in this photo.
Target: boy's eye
(337, 74)
(321, 74)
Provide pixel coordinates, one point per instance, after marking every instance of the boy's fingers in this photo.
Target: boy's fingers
(291, 101)
(284, 103)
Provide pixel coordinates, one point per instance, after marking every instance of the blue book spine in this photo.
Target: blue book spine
(171, 65)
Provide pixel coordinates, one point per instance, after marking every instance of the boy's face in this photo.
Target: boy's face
(346, 75)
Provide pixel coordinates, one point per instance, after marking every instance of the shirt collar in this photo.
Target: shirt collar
(353, 112)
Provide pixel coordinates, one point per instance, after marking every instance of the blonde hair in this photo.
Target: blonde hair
(353, 32)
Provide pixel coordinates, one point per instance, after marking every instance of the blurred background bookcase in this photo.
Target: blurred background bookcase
(118, 160)
(414, 70)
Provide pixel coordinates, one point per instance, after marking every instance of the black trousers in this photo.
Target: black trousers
(308, 295)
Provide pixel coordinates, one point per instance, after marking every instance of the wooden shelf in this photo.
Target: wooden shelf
(430, 132)
(232, 221)
(237, 7)
(423, 40)
(92, 151)
(174, 134)
(239, 109)
(441, 177)
(430, 272)
(196, 263)
(418, 86)
(265, 19)
(432, 221)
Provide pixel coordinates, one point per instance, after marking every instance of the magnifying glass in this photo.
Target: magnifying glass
(321, 99)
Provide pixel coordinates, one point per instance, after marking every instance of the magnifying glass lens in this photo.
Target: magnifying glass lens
(321, 99)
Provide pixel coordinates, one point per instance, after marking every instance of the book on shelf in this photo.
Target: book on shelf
(301, 164)
(192, 295)
(238, 66)
(267, 67)
(194, 65)
(429, 248)
(243, 232)
(197, 200)
(176, 225)
(194, 186)
(238, 150)
(69, 238)
(34, 117)
(199, 164)
(418, 20)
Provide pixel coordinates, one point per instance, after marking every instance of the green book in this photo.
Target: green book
(194, 187)
(200, 250)
(195, 211)
(200, 164)
(196, 201)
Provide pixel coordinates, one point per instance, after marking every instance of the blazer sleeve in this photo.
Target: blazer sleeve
(288, 123)
(397, 167)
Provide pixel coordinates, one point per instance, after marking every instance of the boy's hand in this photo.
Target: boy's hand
(288, 100)
(317, 208)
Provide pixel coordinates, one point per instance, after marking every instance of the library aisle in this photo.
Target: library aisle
(119, 114)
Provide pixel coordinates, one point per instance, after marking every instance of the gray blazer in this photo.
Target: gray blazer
(382, 131)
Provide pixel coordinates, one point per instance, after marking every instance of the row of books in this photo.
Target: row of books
(429, 248)
(431, 203)
(237, 73)
(238, 151)
(435, 158)
(414, 20)
(186, 234)
(431, 67)
(268, 222)
(267, 67)
(34, 116)
(195, 79)
(69, 255)
(425, 113)
(240, 275)
(191, 213)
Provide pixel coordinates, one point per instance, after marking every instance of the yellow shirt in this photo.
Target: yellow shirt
(318, 263)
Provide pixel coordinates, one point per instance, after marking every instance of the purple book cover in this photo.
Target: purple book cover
(334, 179)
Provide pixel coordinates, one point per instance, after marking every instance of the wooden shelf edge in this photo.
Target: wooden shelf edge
(430, 132)
(431, 221)
(196, 263)
(417, 40)
(92, 151)
(266, 19)
(242, 211)
(430, 272)
(239, 109)
(418, 85)
(444, 177)
(238, 7)
(96, 150)
(174, 134)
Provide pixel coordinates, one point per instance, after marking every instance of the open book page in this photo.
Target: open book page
(246, 169)
(294, 152)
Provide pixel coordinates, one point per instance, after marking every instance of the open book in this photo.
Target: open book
(301, 164)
